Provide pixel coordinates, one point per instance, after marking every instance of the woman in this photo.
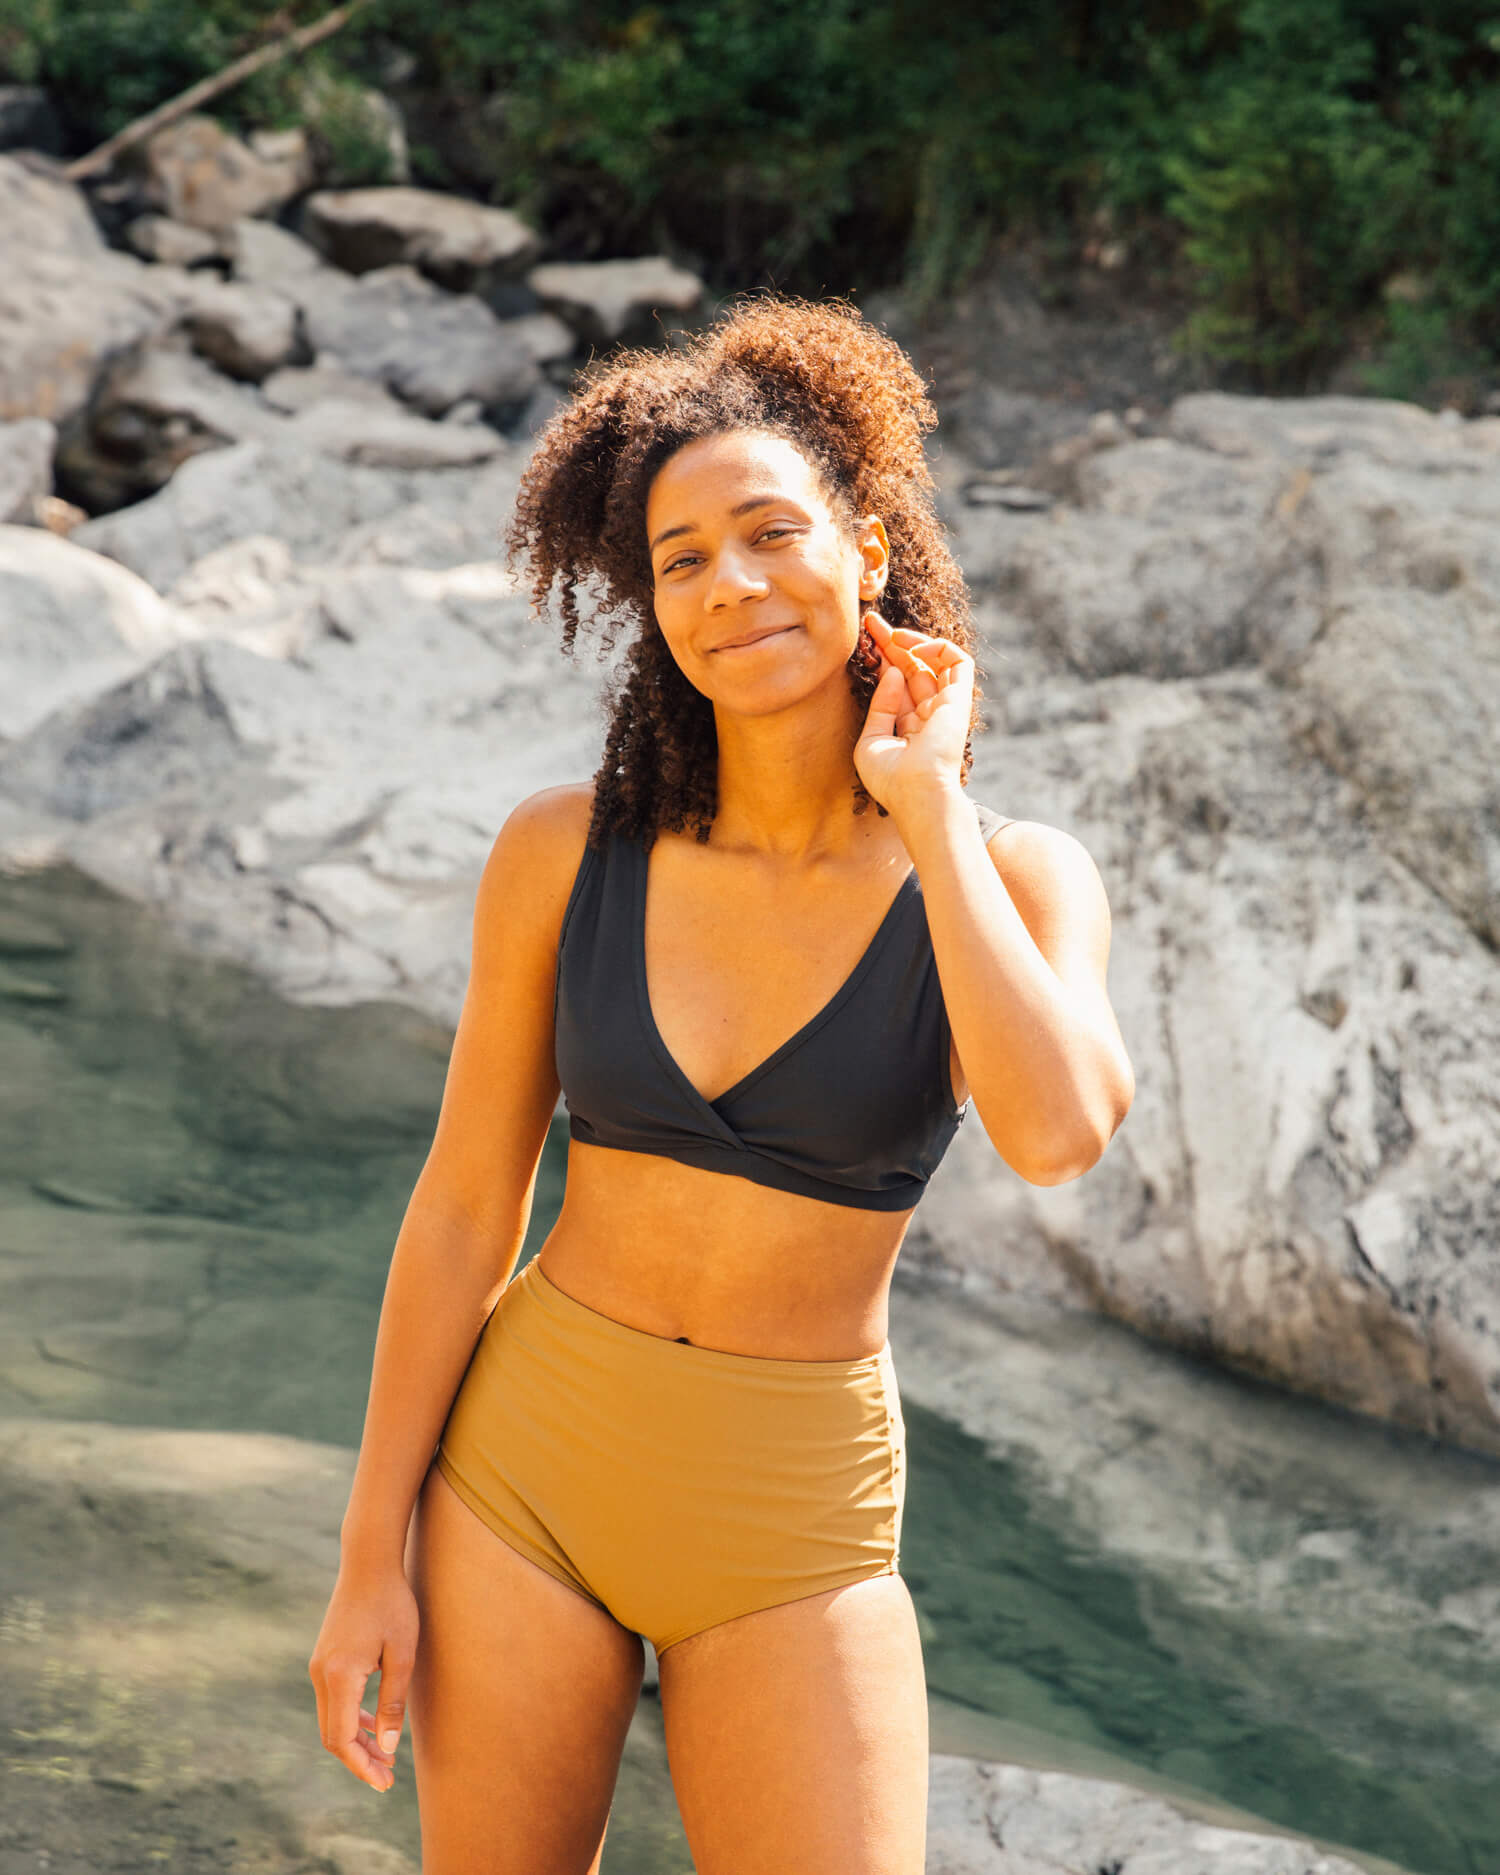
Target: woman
(769, 1010)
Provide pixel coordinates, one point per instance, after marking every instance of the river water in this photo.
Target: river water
(199, 1188)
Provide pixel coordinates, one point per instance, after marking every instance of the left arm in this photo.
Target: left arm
(1022, 960)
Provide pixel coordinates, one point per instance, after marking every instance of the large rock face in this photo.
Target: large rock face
(1253, 668)
(1250, 663)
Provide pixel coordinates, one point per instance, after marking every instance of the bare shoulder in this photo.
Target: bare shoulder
(1056, 887)
(537, 853)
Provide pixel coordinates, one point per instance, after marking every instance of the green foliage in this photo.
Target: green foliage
(109, 61)
(1293, 155)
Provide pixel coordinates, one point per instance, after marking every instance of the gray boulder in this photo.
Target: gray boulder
(430, 348)
(455, 242)
(153, 408)
(324, 510)
(355, 430)
(1007, 1819)
(247, 331)
(66, 301)
(298, 387)
(159, 238)
(607, 300)
(71, 624)
(265, 254)
(196, 172)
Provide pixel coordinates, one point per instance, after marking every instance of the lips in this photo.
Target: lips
(754, 638)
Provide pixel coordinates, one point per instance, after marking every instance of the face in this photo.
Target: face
(759, 582)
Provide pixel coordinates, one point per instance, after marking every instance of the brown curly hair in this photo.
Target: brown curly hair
(818, 374)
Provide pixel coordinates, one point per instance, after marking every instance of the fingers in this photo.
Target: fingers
(395, 1676)
(339, 1718)
(928, 664)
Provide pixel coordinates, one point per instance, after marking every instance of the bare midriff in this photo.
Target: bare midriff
(720, 1261)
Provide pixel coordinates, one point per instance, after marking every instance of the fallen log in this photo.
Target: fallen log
(211, 87)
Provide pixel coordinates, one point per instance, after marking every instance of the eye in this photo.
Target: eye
(684, 559)
(771, 532)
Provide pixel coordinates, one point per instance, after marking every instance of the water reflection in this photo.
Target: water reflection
(1024, 1621)
(199, 1189)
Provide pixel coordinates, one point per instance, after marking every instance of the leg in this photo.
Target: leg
(797, 1736)
(520, 1699)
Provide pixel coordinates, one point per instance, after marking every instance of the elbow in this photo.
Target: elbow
(1060, 1171)
(1065, 1159)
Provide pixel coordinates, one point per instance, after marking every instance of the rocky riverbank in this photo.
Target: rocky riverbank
(261, 668)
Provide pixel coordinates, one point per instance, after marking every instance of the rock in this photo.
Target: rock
(989, 492)
(197, 173)
(324, 510)
(71, 624)
(288, 150)
(28, 121)
(453, 241)
(429, 347)
(62, 316)
(605, 300)
(43, 215)
(1313, 430)
(26, 451)
(298, 387)
(1213, 666)
(252, 594)
(1399, 688)
(544, 336)
(153, 408)
(265, 254)
(1114, 590)
(353, 430)
(66, 302)
(248, 331)
(157, 237)
(1006, 1819)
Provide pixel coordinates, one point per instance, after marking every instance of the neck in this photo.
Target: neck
(786, 781)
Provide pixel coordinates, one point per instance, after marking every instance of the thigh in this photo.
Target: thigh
(797, 1736)
(521, 1696)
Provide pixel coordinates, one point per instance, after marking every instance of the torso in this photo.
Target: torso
(738, 957)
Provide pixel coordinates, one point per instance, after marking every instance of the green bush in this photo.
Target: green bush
(1285, 157)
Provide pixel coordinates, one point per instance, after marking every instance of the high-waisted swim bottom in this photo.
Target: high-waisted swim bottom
(673, 1485)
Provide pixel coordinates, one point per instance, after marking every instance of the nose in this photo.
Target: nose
(733, 579)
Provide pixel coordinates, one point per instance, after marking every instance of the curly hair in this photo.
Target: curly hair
(819, 375)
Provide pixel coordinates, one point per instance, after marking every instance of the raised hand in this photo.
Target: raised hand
(918, 720)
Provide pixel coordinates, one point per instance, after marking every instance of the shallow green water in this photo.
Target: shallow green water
(199, 1189)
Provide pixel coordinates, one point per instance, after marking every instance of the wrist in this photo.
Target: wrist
(367, 1548)
(930, 813)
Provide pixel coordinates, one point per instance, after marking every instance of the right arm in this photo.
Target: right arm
(455, 1251)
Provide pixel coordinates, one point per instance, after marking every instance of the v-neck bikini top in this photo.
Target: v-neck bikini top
(855, 1108)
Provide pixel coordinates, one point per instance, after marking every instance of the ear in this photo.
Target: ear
(875, 558)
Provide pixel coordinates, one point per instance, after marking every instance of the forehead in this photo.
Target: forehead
(713, 472)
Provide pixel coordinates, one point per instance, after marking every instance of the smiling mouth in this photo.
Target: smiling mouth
(781, 631)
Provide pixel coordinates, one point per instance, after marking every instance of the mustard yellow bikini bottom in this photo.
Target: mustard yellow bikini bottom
(674, 1486)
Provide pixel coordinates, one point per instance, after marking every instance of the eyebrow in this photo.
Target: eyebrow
(744, 507)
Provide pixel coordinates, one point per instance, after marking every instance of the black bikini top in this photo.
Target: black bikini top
(856, 1108)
